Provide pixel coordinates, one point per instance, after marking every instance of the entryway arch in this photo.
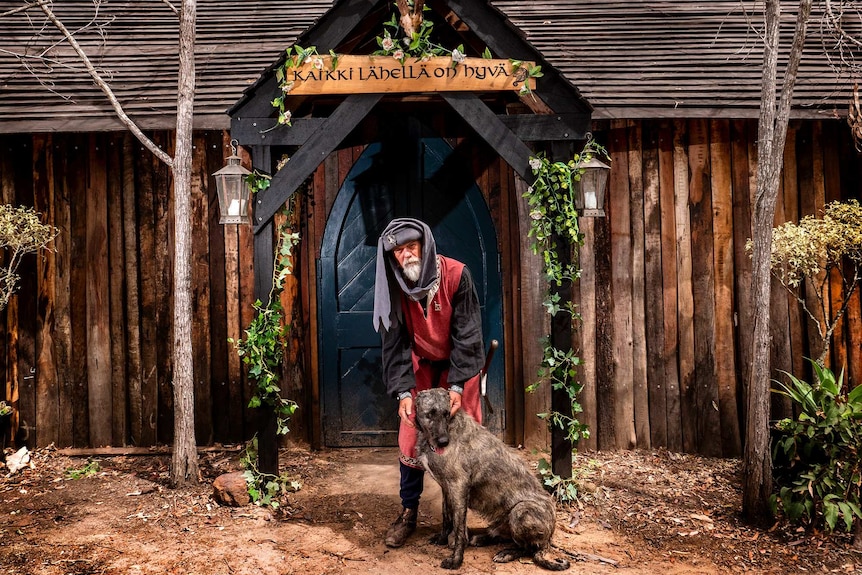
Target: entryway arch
(409, 172)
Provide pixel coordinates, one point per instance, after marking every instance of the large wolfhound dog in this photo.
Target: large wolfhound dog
(477, 470)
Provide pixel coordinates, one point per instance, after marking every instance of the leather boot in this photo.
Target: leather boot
(401, 529)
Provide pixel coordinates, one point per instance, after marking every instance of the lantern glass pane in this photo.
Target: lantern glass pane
(233, 192)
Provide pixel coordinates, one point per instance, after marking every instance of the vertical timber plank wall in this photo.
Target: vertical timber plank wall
(684, 279)
(688, 184)
(693, 181)
(621, 287)
(62, 297)
(84, 350)
(116, 263)
(722, 238)
(97, 301)
(47, 399)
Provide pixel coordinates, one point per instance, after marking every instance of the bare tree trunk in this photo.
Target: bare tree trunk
(772, 135)
(184, 464)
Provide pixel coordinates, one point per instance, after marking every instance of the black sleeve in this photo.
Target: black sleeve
(468, 354)
(398, 373)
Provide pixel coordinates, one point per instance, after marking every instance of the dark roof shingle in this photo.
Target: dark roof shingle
(634, 59)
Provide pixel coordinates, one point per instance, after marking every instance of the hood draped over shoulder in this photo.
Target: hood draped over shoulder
(389, 280)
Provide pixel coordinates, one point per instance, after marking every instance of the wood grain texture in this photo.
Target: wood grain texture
(619, 213)
(685, 296)
(98, 304)
(670, 351)
(653, 286)
(703, 401)
(639, 333)
(132, 299)
(116, 289)
(725, 350)
(47, 396)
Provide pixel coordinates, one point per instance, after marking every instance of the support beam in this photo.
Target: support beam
(561, 338)
(491, 26)
(486, 123)
(327, 33)
(264, 131)
(264, 264)
(303, 163)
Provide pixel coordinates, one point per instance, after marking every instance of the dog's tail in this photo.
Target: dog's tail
(543, 560)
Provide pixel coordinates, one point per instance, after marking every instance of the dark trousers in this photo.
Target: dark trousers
(411, 486)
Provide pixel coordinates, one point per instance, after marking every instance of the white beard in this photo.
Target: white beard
(413, 269)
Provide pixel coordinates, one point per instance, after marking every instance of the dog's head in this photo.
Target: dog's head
(433, 416)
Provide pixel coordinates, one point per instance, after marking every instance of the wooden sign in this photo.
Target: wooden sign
(381, 74)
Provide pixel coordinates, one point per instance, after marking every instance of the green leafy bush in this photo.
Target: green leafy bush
(807, 257)
(21, 233)
(816, 456)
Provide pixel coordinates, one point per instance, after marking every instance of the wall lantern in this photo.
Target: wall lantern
(590, 199)
(233, 192)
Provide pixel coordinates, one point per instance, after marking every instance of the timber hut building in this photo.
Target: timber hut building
(670, 88)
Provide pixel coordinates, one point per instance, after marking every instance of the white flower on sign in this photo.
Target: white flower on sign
(387, 43)
(317, 63)
(457, 56)
(398, 54)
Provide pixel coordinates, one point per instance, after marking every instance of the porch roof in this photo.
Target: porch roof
(633, 59)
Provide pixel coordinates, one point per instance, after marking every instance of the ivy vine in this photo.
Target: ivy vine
(295, 58)
(262, 349)
(395, 43)
(554, 221)
(265, 489)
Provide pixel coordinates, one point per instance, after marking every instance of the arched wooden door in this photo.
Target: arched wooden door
(404, 175)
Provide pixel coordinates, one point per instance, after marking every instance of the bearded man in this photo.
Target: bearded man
(427, 313)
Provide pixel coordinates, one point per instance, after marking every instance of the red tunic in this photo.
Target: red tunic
(431, 334)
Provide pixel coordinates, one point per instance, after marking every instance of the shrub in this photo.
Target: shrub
(21, 233)
(807, 256)
(817, 455)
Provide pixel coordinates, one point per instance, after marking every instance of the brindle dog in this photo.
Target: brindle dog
(477, 470)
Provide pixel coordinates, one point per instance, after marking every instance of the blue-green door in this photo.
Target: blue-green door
(406, 176)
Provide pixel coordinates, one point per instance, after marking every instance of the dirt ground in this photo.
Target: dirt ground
(642, 512)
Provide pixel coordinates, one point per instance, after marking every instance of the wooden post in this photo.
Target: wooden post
(561, 338)
(264, 262)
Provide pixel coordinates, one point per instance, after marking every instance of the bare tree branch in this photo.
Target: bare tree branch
(172, 7)
(106, 89)
(835, 24)
(19, 9)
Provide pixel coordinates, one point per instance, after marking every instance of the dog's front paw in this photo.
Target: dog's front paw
(439, 539)
(508, 555)
(452, 562)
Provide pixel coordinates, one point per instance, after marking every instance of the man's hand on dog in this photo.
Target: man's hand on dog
(454, 401)
(405, 407)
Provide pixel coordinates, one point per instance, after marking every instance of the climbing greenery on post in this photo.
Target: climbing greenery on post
(262, 349)
(553, 215)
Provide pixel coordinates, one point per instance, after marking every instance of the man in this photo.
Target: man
(427, 313)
